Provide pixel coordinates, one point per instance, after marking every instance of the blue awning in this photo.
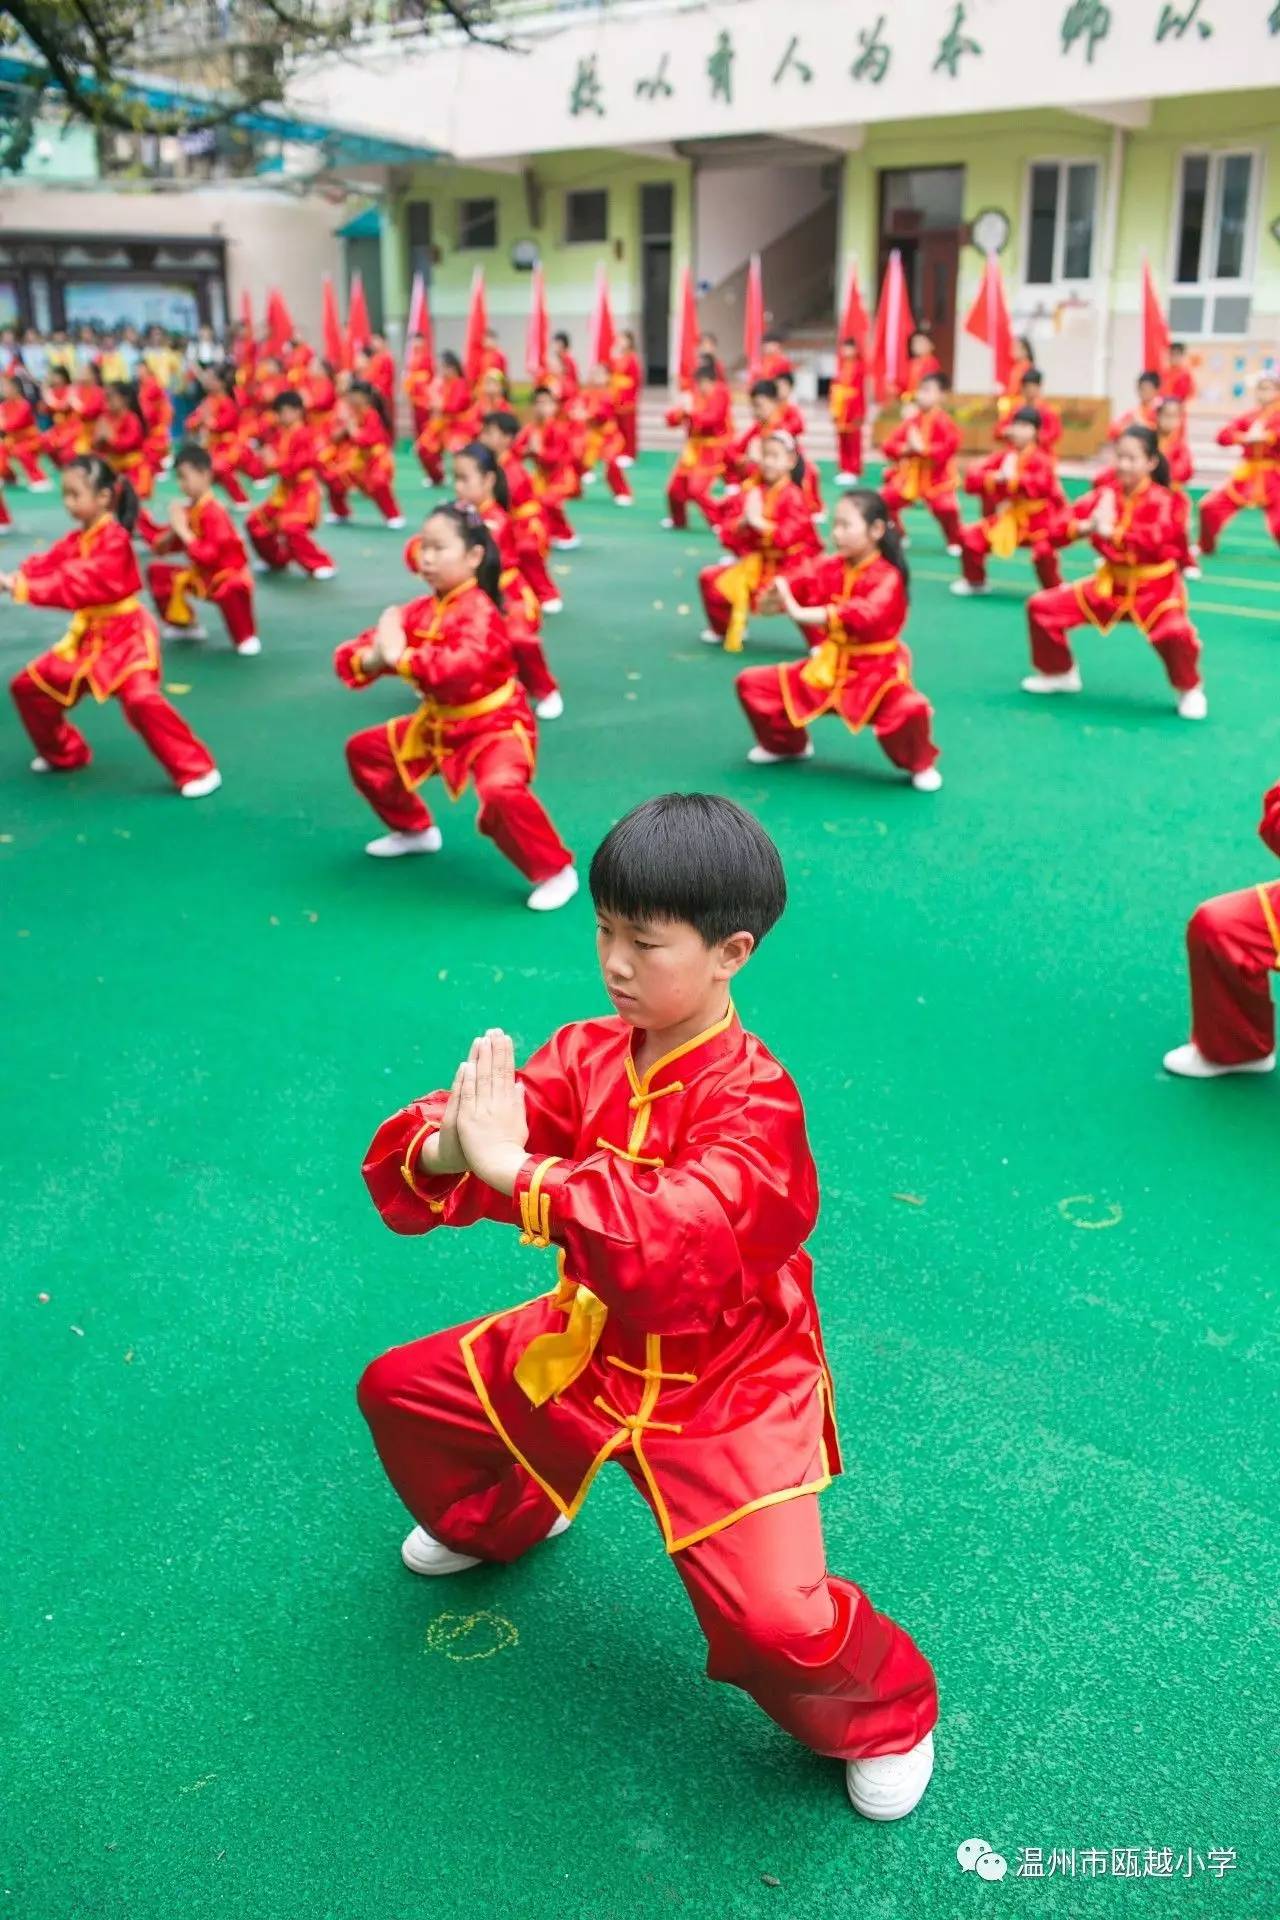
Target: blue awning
(363, 226)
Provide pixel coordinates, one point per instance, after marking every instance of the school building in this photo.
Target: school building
(1073, 137)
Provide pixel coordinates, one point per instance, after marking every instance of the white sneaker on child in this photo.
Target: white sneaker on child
(1193, 705)
(423, 1553)
(963, 588)
(41, 765)
(886, 1786)
(551, 705)
(1190, 1064)
(1069, 682)
(389, 846)
(250, 645)
(555, 892)
(397, 521)
(193, 632)
(553, 606)
(197, 789)
(761, 756)
(928, 780)
(324, 573)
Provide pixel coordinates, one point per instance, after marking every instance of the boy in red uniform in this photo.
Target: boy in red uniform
(1022, 506)
(1144, 414)
(548, 442)
(662, 1153)
(847, 400)
(1050, 419)
(704, 415)
(1177, 382)
(282, 528)
(1233, 944)
(1256, 481)
(773, 361)
(603, 442)
(627, 377)
(499, 433)
(214, 565)
(922, 450)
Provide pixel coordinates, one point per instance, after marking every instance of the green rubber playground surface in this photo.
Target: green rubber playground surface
(1047, 1273)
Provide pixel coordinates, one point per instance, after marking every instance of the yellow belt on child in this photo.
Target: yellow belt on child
(823, 669)
(1112, 575)
(85, 617)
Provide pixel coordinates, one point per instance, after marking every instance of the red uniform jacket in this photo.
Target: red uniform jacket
(1178, 454)
(789, 534)
(1017, 513)
(1140, 576)
(626, 378)
(419, 379)
(707, 425)
(768, 367)
(1135, 417)
(459, 658)
(93, 575)
(1269, 826)
(922, 475)
(380, 372)
(918, 366)
(550, 447)
(683, 1325)
(1178, 383)
(861, 655)
(1256, 481)
(1050, 424)
(847, 399)
(18, 425)
(66, 434)
(122, 440)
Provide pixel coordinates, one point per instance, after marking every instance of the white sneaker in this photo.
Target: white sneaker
(259, 566)
(567, 546)
(389, 846)
(39, 486)
(964, 588)
(886, 1786)
(624, 499)
(712, 638)
(1192, 705)
(248, 647)
(927, 781)
(423, 1553)
(267, 480)
(553, 606)
(1054, 682)
(241, 506)
(590, 477)
(1191, 1064)
(846, 479)
(761, 756)
(41, 765)
(397, 521)
(1192, 573)
(625, 460)
(954, 550)
(551, 706)
(667, 522)
(324, 573)
(193, 632)
(555, 892)
(197, 789)
(333, 520)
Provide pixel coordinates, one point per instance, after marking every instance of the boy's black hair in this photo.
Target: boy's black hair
(291, 398)
(540, 393)
(1177, 346)
(189, 454)
(694, 857)
(939, 379)
(1033, 373)
(1031, 415)
(764, 390)
(505, 422)
(705, 370)
(1148, 376)
(560, 340)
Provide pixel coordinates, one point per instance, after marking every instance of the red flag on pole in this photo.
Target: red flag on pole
(1155, 328)
(477, 327)
(753, 317)
(537, 339)
(332, 343)
(988, 320)
(685, 357)
(601, 336)
(279, 324)
(894, 328)
(359, 332)
(854, 324)
(419, 321)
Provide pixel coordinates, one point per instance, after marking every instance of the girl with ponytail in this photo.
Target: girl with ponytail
(853, 606)
(1133, 522)
(111, 649)
(769, 527)
(474, 724)
(121, 437)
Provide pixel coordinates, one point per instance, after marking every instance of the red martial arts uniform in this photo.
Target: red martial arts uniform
(681, 1339)
(452, 421)
(770, 366)
(1024, 510)
(1178, 456)
(860, 670)
(216, 423)
(1233, 944)
(157, 413)
(603, 442)
(418, 384)
(21, 440)
(626, 378)
(847, 401)
(281, 528)
(1009, 399)
(790, 419)
(121, 439)
(707, 429)
(520, 603)
(927, 477)
(918, 366)
(1178, 383)
(363, 458)
(214, 567)
(380, 371)
(733, 589)
(1255, 482)
(554, 476)
(1144, 416)
(529, 524)
(1139, 581)
(66, 434)
(111, 648)
(474, 724)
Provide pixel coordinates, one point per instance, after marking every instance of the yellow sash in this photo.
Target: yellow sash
(1273, 927)
(1111, 576)
(179, 611)
(553, 1361)
(825, 667)
(432, 718)
(738, 583)
(81, 621)
(1006, 527)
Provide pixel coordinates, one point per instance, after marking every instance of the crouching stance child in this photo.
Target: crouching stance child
(209, 560)
(474, 722)
(111, 649)
(853, 604)
(661, 1152)
(1233, 947)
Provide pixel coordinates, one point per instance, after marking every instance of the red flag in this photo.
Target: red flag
(753, 317)
(894, 328)
(537, 339)
(854, 324)
(359, 332)
(477, 327)
(988, 320)
(419, 321)
(1155, 328)
(685, 356)
(279, 324)
(601, 336)
(332, 343)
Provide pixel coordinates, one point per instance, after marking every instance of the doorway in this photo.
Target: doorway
(657, 214)
(922, 216)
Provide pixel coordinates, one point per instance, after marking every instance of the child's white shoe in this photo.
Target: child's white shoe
(553, 606)
(193, 632)
(555, 892)
(712, 638)
(324, 573)
(1192, 573)
(197, 789)
(1069, 682)
(761, 756)
(887, 1786)
(423, 1553)
(389, 846)
(1192, 705)
(624, 499)
(964, 588)
(928, 780)
(397, 521)
(667, 522)
(551, 706)
(1191, 1064)
(954, 549)
(625, 460)
(567, 546)
(40, 765)
(249, 646)
(846, 479)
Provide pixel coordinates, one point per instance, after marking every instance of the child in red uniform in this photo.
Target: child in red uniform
(922, 456)
(214, 564)
(419, 379)
(922, 361)
(1171, 437)
(770, 528)
(1050, 419)
(282, 528)
(854, 604)
(474, 723)
(65, 435)
(111, 648)
(1144, 414)
(547, 443)
(847, 400)
(156, 409)
(662, 1153)
(1233, 944)
(479, 482)
(217, 424)
(1010, 396)
(20, 438)
(365, 458)
(792, 421)
(604, 442)
(1022, 506)
(704, 415)
(121, 438)
(1177, 382)
(626, 377)
(499, 433)
(1256, 481)
(772, 363)
(1131, 518)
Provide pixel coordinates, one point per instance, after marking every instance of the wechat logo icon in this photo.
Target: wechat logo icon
(976, 1856)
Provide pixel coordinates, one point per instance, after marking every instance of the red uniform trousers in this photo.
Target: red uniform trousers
(233, 597)
(25, 449)
(226, 459)
(942, 505)
(1182, 526)
(1052, 614)
(339, 487)
(691, 486)
(281, 535)
(849, 450)
(1233, 944)
(551, 498)
(1218, 507)
(900, 720)
(161, 726)
(975, 545)
(810, 1649)
(534, 674)
(626, 419)
(6, 518)
(510, 814)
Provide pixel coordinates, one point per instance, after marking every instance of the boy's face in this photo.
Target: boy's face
(928, 393)
(192, 482)
(661, 973)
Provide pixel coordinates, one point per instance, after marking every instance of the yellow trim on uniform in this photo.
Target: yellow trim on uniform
(1273, 925)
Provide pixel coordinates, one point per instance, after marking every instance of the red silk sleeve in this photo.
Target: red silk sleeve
(1269, 828)
(878, 611)
(472, 645)
(346, 661)
(210, 549)
(983, 474)
(108, 572)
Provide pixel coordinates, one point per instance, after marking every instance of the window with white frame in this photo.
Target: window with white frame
(1213, 244)
(1062, 211)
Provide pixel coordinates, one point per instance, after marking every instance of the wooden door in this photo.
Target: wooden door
(937, 270)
